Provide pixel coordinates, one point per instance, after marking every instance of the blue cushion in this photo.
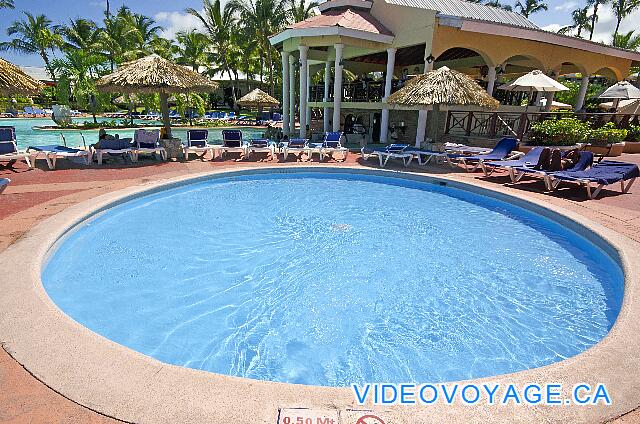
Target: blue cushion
(261, 142)
(7, 147)
(7, 134)
(115, 144)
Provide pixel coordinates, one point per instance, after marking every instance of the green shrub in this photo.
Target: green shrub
(608, 133)
(560, 132)
(633, 134)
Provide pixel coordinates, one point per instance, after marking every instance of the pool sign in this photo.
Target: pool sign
(308, 416)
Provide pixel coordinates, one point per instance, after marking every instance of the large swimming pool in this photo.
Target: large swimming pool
(335, 278)
(28, 136)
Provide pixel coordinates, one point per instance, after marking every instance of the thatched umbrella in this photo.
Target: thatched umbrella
(14, 81)
(153, 74)
(258, 98)
(442, 87)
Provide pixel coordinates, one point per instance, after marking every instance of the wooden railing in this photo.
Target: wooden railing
(499, 124)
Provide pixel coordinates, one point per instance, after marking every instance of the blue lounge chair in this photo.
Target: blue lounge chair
(602, 174)
(197, 142)
(392, 151)
(9, 149)
(424, 156)
(504, 147)
(517, 172)
(51, 153)
(331, 144)
(531, 160)
(148, 142)
(261, 145)
(114, 147)
(232, 143)
(4, 182)
(296, 145)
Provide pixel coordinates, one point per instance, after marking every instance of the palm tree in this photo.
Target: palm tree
(581, 21)
(496, 3)
(116, 40)
(34, 35)
(80, 34)
(264, 18)
(594, 17)
(627, 41)
(146, 30)
(529, 7)
(6, 4)
(192, 49)
(622, 9)
(219, 25)
(301, 10)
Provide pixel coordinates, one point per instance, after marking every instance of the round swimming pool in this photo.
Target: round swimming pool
(330, 278)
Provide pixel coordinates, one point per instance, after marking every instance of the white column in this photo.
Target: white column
(304, 73)
(582, 92)
(421, 128)
(308, 109)
(384, 119)
(337, 87)
(551, 95)
(285, 93)
(491, 80)
(327, 82)
(292, 94)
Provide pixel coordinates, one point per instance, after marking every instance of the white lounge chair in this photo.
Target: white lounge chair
(296, 145)
(392, 151)
(330, 145)
(115, 146)
(232, 143)
(9, 149)
(261, 145)
(148, 142)
(197, 144)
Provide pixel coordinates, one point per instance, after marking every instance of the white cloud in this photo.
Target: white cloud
(553, 27)
(568, 6)
(174, 22)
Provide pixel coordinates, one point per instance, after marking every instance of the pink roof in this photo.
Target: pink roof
(359, 20)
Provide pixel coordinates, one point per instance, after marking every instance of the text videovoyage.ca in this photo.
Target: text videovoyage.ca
(475, 393)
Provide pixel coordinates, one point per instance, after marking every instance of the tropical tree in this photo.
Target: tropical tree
(496, 3)
(145, 31)
(628, 41)
(220, 25)
(6, 4)
(34, 35)
(594, 16)
(622, 9)
(192, 49)
(529, 7)
(80, 34)
(264, 18)
(116, 40)
(301, 10)
(581, 21)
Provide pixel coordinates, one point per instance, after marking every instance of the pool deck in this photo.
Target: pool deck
(35, 195)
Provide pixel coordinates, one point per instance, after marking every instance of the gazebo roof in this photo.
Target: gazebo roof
(355, 19)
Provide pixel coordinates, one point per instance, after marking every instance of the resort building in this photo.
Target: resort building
(400, 38)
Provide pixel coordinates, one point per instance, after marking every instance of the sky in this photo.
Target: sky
(171, 16)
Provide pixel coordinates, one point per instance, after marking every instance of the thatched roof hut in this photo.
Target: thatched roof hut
(258, 98)
(153, 74)
(444, 87)
(14, 81)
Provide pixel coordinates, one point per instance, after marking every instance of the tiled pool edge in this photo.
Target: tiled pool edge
(122, 383)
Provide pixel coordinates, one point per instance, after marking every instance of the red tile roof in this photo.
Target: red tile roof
(359, 20)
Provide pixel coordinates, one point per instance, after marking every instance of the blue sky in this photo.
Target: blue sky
(170, 14)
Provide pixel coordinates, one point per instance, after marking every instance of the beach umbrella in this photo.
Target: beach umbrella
(258, 98)
(14, 81)
(442, 87)
(535, 80)
(622, 90)
(153, 74)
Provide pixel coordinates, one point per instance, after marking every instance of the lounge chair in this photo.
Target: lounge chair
(148, 142)
(602, 174)
(330, 145)
(261, 145)
(531, 160)
(197, 143)
(504, 147)
(232, 143)
(116, 146)
(392, 151)
(517, 172)
(296, 145)
(9, 149)
(4, 182)
(52, 153)
(424, 156)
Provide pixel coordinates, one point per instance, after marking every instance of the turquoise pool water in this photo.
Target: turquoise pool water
(28, 136)
(331, 279)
